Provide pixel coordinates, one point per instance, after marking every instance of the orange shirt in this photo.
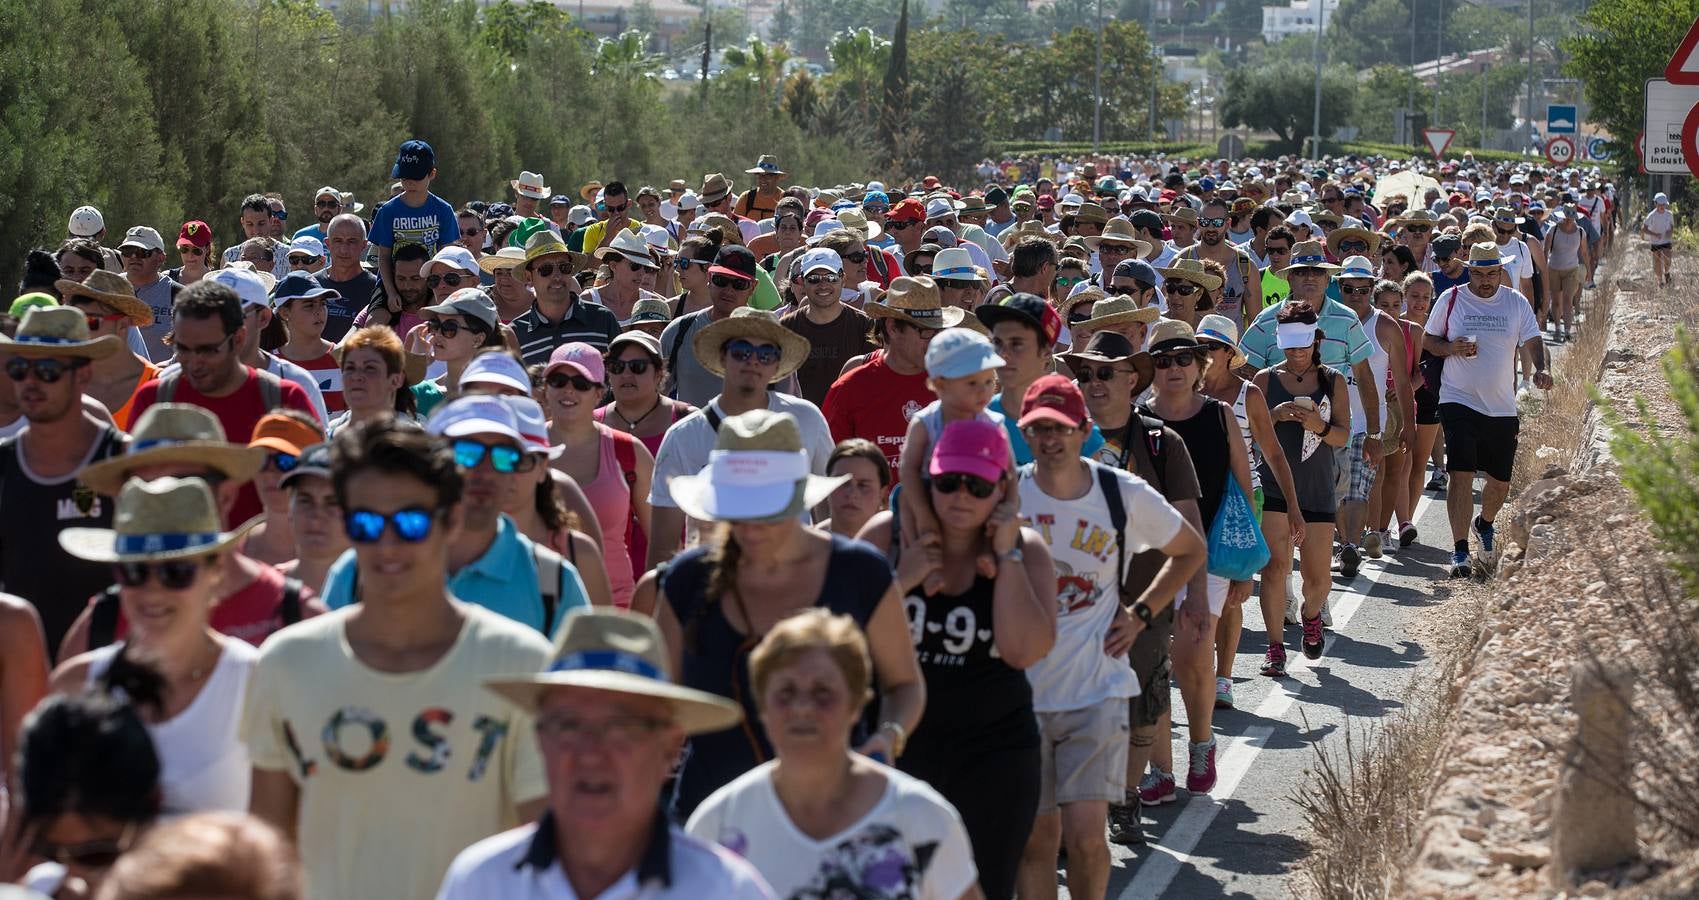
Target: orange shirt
(121, 415)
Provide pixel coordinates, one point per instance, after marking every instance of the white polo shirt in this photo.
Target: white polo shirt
(522, 865)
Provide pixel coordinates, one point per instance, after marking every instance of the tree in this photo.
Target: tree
(760, 62)
(894, 116)
(783, 26)
(1280, 97)
(1622, 43)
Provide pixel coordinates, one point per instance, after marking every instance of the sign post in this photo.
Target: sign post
(1668, 108)
(1438, 139)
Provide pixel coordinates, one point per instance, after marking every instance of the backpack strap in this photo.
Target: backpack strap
(625, 453)
(1157, 449)
(289, 608)
(168, 386)
(1111, 487)
(103, 618)
(549, 567)
(271, 389)
(713, 417)
(677, 345)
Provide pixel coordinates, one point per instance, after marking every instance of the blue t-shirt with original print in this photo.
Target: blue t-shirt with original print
(432, 226)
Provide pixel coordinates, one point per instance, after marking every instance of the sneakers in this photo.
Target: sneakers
(1460, 564)
(1327, 611)
(1125, 827)
(1372, 543)
(1484, 531)
(1313, 640)
(1157, 787)
(1350, 560)
(1223, 693)
(1273, 664)
(1437, 482)
(1406, 534)
(1294, 596)
(1200, 774)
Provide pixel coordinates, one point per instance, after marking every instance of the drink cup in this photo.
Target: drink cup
(1469, 347)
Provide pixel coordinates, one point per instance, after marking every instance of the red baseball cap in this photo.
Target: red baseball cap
(195, 233)
(908, 210)
(1046, 201)
(1054, 398)
(930, 181)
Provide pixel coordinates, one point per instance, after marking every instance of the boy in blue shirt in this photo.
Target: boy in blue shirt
(415, 216)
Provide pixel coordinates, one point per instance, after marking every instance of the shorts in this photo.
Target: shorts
(1353, 470)
(1477, 442)
(1661, 248)
(1274, 504)
(1082, 755)
(1566, 282)
(1150, 663)
(1427, 405)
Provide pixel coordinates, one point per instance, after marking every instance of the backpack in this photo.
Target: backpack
(625, 453)
(1111, 488)
(678, 344)
(271, 388)
(103, 616)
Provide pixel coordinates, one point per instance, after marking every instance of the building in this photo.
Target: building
(1279, 22)
(674, 22)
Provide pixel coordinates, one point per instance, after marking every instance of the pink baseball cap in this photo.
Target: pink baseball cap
(973, 447)
(581, 357)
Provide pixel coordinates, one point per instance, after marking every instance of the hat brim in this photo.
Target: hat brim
(541, 193)
(491, 263)
(99, 348)
(95, 544)
(300, 472)
(700, 498)
(758, 171)
(1490, 264)
(1205, 280)
(139, 313)
(1140, 248)
(949, 316)
(1239, 358)
(1325, 267)
(238, 463)
(1339, 235)
(793, 347)
(645, 260)
(1144, 314)
(695, 712)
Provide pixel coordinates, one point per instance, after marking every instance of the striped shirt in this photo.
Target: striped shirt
(1343, 341)
(591, 323)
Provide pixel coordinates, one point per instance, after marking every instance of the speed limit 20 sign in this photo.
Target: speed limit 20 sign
(1560, 150)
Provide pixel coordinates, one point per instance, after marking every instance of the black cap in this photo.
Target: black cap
(996, 197)
(1447, 245)
(1147, 220)
(314, 460)
(1028, 309)
(734, 260)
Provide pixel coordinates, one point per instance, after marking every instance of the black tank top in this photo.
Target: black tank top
(32, 564)
(1206, 438)
(973, 698)
(857, 577)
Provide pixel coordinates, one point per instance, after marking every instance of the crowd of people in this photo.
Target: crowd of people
(689, 541)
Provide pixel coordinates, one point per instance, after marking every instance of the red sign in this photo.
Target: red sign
(1560, 150)
(1683, 67)
(1640, 148)
(1690, 140)
(1438, 139)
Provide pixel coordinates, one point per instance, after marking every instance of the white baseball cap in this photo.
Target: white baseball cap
(453, 256)
(822, 258)
(475, 414)
(496, 368)
(689, 200)
(579, 215)
(144, 237)
(86, 221)
(306, 244)
(248, 285)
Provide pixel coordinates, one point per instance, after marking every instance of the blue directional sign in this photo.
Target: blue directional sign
(1561, 119)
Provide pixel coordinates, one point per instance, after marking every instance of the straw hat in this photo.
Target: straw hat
(1221, 330)
(715, 187)
(541, 244)
(505, 258)
(1485, 254)
(1113, 347)
(766, 165)
(1172, 334)
(623, 652)
(1119, 230)
(1348, 229)
(758, 472)
(1417, 216)
(857, 221)
(631, 246)
(1119, 310)
(1308, 255)
(649, 314)
(749, 322)
(166, 518)
(588, 190)
(1184, 214)
(1091, 212)
(57, 331)
(1192, 270)
(175, 433)
(112, 289)
(917, 301)
(1326, 217)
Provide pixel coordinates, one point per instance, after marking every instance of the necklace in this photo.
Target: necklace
(632, 425)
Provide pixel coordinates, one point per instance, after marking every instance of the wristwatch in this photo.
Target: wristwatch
(1140, 611)
(1015, 555)
(899, 736)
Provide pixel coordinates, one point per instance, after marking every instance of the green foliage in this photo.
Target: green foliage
(1621, 44)
(1280, 97)
(1661, 468)
(896, 109)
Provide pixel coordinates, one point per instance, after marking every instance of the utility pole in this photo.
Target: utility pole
(1439, 53)
(1315, 120)
(707, 48)
(1097, 85)
(1410, 91)
(1156, 58)
(1530, 115)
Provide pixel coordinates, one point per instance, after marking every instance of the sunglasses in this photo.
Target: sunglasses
(876, 208)
(504, 458)
(1362, 291)
(1213, 222)
(955, 284)
(134, 252)
(736, 284)
(448, 329)
(1169, 360)
(619, 367)
(1068, 282)
(828, 278)
(1114, 249)
(94, 320)
(172, 574)
(683, 265)
(744, 351)
(1418, 229)
(922, 267)
(560, 380)
(1278, 251)
(366, 526)
(1505, 231)
(452, 279)
(548, 269)
(281, 215)
(282, 462)
(46, 371)
(616, 210)
(901, 226)
(1182, 288)
(637, 266)
(950, 482)
(191, 250)
(1357, 246)
(1101, 373)
(328, 204)
(1078, 317)
(859, 256)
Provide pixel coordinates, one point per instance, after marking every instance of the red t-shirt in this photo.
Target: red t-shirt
(251, 614)
(874, 402)
(239, 411)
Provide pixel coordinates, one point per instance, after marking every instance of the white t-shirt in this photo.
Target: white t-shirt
(1660, 223)
(1076, 673)
(910, 846)
(1522, 266)
(1500, 324)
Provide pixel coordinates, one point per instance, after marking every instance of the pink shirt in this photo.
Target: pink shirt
(610, 497)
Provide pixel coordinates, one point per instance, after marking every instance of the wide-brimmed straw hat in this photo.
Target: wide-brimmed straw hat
(166, 518)
(505, 258)
(57, 331)
(1119, 230)
(541, 244)
(1172, 334)
(629, 245)
(1485, 254)
(1113, 347)
(715, 187)
(1221, 330)
(758, 472)
(112, 289)
(749, 322)
(1191, 270)
(1184, 214)
(856, 220)
(1118, 310)
(623, 652)
(1308, 255)
(917, 301)
(175, 433)
(1352, 228)
(766, 165)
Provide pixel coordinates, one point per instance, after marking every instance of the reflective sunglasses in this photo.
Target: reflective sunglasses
(94, 320)
(1213, 222)
(46, 371)
(559, 380)
(901, 226)
(1101, 373)
(504, 458)
(366, 526)
(172, 574)
(281, 215)
(452, 279)
(736, 284)
(191, 250)
(446, 328)
(683, 264)
(282, 462)
(743, 351)
(1169, 360)
(1362, 291)
(1068, 282)
(827, 278)
(1181, 288)
(548, 269)
(950, 482)
(619, 366)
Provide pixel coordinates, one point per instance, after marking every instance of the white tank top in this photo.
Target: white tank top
(1377, 364)
(1245, 432)
(204, 764)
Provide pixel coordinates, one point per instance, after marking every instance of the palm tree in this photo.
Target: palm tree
(859, 58)
(625, 55)
(760, 62)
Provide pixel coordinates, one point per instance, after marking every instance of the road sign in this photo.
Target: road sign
(1561, 119)
(1598, 149)
(1683, 67)
(1690, 140)
(1438, 139)
(1560, 150)
(1667, 106)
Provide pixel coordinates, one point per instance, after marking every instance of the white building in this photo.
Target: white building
(1279, 22)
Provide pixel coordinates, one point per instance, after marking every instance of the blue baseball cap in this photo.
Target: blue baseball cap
(1206, 184)
(414, 160)
(1137, 269)
(876, 197)
(960, 352)
(299, 285)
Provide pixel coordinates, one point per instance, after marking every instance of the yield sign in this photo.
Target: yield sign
(1438, 139)
(1683, 67)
